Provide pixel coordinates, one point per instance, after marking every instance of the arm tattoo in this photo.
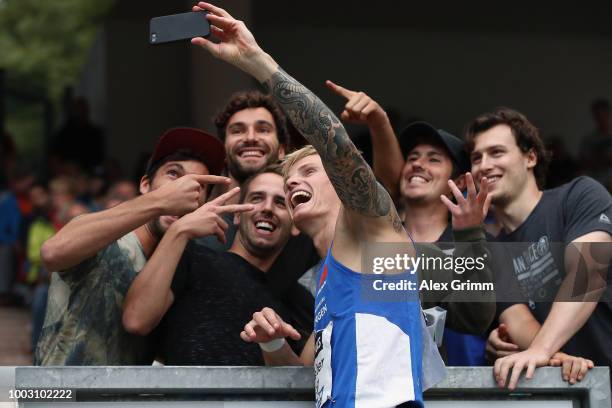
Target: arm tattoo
(349, 173)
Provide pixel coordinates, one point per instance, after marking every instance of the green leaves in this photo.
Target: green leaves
(43, 45)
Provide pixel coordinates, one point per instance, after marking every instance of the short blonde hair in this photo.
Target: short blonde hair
(293, 157)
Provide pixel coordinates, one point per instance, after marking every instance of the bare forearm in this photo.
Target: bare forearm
(387, 155)
(283, 357)
(563, 321)
(149, 295)
(84, 236)
(286, 356)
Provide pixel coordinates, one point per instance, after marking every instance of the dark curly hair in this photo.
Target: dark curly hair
(526, 135)
(252, 99)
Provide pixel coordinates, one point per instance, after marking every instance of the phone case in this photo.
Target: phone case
(177, 27)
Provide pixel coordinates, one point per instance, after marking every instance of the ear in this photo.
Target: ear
(532, 159)
(281, 152)
(236, 219)
(460, 182)
(145, 185)
(294, 231)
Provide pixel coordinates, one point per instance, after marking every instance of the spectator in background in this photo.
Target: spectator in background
(63, 201)
(97, 256)
(40, 229)
(10, 219)
(120, 191)
(79, 144)
(556, 228)
(596, 147)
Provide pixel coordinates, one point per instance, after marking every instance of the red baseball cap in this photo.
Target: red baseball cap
(195, 140)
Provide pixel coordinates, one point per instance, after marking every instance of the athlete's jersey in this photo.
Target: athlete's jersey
(368, 343)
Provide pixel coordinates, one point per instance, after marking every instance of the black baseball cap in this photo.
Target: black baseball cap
(209, 147)
(411, 136)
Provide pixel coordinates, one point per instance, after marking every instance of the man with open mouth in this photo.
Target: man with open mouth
(205, 296)
(334, 197)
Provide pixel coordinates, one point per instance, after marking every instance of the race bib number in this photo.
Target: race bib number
(322, 365)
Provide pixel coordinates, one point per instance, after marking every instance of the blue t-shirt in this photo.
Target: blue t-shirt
(368, 345)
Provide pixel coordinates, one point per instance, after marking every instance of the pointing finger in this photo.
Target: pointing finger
(340, 90)
(204, 179)
(234, 208)
(225, 196)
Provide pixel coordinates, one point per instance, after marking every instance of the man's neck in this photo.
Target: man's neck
(425, 222)
(321, 230)
(148, 241)
(513, 214)
(263, 263)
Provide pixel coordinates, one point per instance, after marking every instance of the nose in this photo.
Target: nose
(291, 183)
(251, 135)
(268, 205)
(485, 164)
(417, 164)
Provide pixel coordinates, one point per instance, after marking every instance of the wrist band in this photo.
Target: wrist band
(272, 345)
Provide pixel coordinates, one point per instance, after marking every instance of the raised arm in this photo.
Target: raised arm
(84, 236)
(349, 173)
(388, 161)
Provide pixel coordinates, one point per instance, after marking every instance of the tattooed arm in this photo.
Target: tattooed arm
(349, 173)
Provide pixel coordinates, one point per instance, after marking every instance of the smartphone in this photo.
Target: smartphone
(178, 27)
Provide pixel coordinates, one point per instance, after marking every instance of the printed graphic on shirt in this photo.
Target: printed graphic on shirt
(536, 271)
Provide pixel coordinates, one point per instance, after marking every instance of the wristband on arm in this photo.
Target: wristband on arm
(272, 345)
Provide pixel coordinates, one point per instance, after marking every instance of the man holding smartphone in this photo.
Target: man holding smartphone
(334, 197)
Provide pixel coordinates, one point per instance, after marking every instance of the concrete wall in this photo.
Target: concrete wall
(444, 65)
(449, 77)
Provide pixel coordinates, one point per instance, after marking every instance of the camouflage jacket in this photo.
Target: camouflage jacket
(83, 318)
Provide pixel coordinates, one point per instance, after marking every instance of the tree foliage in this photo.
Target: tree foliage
(44, 44)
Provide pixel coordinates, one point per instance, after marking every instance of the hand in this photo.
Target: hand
(266, 326)
(573, 368)
(360, 108)
(529, 359)
(185, 194)
(237, 45)
(499, 344)
(206, 220)
(472, 210)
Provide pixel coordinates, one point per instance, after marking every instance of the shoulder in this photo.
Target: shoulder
(579, 186)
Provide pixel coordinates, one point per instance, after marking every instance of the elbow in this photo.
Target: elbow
(132, 323)
(50, 254)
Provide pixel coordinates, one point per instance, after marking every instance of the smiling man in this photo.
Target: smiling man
(98, 255)
(561, 250)
(212, 293)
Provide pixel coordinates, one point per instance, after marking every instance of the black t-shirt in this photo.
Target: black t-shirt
(562, 215)
(216, 294)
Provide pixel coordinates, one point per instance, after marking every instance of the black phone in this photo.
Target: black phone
(178, 27)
